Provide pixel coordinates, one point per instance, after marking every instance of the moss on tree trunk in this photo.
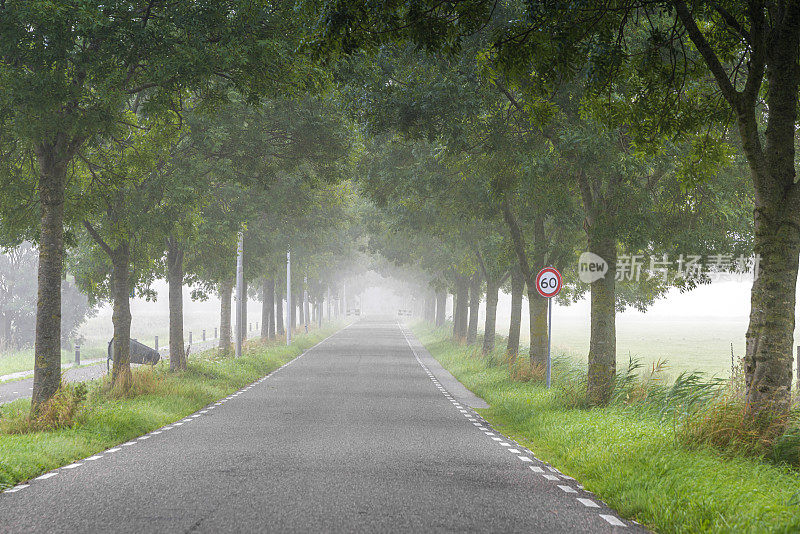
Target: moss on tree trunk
(47, 352)
(768, 356)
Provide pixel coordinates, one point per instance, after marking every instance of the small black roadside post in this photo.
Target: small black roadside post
(190, 338)
(77, 355)
(215, 332)
(156, 347)
(204, 334)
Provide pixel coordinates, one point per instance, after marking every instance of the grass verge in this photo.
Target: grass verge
(632, 460)
(159, 398)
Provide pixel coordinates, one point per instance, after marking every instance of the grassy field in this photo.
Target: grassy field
(162, 398)
(631, 460)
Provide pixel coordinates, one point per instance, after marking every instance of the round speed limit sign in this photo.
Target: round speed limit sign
(548, 282)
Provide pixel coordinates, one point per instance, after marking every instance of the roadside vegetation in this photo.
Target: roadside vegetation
(86, 418)
(669, 455)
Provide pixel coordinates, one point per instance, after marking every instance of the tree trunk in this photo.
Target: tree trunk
(537, 311)
(47, 353)
(243, 304)
(271, 305)
(517, 286)
(768, 356)
(279, 310)
(225, 292)
(474, 307)
(430, 307)
(441, 307)
(306, 310)
(298, 302)
(460, 313)
(603, 340)
(492, 290)
(265, 308)
(177, 354)
(121, 318)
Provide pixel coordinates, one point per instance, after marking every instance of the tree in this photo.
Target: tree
(127, 174)
(67, 69)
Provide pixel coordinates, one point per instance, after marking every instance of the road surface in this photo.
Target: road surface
(364, 432)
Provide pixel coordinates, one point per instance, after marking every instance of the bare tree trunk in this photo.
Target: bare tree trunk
(537, 310)
(492, 290)
(265, 308)
(600, 225)
(177, 354)
(225, 292)
(517, 286)
(298, 302)
(774, 54)
(603, 341)
(441, 307)
(460, 312)
(243, 304)
(279, 310)
(121, 318)
(430, 307)
(270, 296)
(474, 306)
(52, 164)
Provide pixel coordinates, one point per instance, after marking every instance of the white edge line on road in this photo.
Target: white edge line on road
(611, 519)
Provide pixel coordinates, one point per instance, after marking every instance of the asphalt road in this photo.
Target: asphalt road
(364, 432)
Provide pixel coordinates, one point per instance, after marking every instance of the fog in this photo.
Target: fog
(692, 330)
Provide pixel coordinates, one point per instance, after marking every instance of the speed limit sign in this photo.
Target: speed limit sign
(548, 282)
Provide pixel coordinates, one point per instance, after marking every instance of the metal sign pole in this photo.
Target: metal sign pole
(239, 293)
(549, 330)
(288, 297)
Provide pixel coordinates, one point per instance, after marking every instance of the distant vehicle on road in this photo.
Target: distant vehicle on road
(404, 313)
(354, 311)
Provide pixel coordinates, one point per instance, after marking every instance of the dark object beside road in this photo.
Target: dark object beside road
(140, 353)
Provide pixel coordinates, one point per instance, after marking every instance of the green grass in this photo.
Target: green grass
(168, 397)
(629, 459)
